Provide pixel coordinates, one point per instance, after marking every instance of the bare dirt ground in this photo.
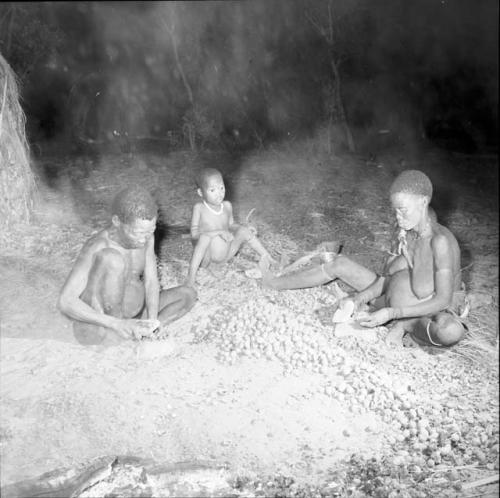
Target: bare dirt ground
(251, 378)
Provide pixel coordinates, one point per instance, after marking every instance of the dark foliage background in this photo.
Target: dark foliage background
(241, 73)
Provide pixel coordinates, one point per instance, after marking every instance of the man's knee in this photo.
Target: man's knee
(449, 329)
(111, 260)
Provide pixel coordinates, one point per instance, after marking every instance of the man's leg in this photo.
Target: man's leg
(175, 303)
(353, 274)
(104, 293)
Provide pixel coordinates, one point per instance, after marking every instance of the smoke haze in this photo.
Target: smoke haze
(259, 69)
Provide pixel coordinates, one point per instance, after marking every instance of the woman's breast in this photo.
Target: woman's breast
(397, 264)
(400, 290)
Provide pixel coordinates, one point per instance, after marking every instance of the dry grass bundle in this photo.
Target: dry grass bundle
(480, 345)
(17, 184)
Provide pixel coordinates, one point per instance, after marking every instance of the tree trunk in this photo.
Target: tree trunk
(187, 86)
(340, 106)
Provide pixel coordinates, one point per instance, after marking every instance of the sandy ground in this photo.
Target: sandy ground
(170, 400)
(63, 404)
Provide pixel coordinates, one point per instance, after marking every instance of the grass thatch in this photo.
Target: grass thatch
(17, 184)
(480, 345)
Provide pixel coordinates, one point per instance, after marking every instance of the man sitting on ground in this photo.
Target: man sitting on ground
(112, 292)
(421, 287)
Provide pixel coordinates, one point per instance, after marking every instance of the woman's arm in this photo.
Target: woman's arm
(372, 292)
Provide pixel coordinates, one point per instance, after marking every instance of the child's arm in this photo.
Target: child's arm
(195, 222)
(232, 226)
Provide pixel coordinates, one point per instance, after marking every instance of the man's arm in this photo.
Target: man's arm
(69, 301)
(151, 283)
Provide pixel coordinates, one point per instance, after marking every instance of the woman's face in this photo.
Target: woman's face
(409, 208)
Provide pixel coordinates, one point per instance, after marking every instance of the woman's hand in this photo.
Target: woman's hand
(376, 318)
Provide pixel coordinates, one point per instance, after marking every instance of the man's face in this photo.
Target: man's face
(213, 191)
(409, 209)
(137, 233)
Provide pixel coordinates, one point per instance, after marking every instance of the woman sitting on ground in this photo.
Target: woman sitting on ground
(420, 290)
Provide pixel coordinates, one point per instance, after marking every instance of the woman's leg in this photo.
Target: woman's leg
(443, 329)
(353, 274)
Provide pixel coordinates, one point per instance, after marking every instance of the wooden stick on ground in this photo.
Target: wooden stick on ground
(481, 482)
(4, 98)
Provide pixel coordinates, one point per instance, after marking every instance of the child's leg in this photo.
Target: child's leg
(242, 235)
(207, 250)
(200, 254)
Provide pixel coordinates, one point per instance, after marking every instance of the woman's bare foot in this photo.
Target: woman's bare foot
(395, 335)
(265, 270)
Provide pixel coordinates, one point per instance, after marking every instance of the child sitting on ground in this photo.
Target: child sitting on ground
(215, 236)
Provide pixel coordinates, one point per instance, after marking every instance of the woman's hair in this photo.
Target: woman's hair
(134, 203)
(412, 181)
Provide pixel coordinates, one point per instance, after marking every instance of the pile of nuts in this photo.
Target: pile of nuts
(260, 328)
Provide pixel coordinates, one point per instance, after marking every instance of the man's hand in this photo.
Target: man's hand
(136, 329)
(376, 318)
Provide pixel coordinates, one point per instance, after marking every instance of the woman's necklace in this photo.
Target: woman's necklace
(213, 210)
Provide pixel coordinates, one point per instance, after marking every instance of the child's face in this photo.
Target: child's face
(213, 191)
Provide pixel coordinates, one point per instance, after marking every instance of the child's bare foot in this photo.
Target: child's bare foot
(218, 270)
